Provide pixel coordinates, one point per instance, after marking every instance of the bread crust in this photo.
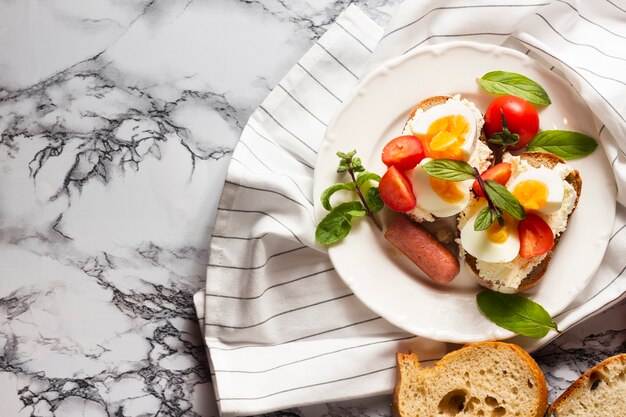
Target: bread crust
(583, 382)
(410, 361)
(535, 159)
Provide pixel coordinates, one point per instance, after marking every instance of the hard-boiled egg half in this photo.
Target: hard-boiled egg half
(539, 190)
(497, 244)
(440, 197)
(448, 130)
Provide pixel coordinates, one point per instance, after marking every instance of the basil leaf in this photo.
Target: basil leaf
(365, 176)
(336, 225)
(449, 169)
(515, 313)
(373, 200)
(563, 143)
(327, 193)
(511, 83)
(484, 219)
(503, 199)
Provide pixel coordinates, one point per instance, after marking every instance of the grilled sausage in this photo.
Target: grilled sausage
(423, 249)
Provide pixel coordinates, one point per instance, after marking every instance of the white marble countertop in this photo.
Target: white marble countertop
(117, 120)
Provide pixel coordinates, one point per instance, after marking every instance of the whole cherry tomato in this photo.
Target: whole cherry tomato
(520, 116)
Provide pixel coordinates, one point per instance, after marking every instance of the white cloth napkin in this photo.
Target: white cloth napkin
(281, 327)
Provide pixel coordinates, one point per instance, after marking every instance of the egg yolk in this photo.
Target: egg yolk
(445, 137)
(531, 194)
(497, 233)
(447, 190)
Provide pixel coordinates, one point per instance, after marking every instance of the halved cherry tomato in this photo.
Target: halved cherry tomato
(396, 190)
(499, 173)
(535, 236)
(403, 152)
(521, 118)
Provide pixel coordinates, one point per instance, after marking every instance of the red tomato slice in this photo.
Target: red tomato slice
(535, 236)
(403, 152)
(396, 190)
(521, 118)
(499, 173)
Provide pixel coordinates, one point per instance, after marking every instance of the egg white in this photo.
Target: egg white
(552, 181)
(477, 244)
(429, 200)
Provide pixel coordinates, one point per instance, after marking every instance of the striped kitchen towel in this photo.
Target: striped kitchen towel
(281, 327)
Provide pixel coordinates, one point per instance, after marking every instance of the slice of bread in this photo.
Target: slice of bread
(481, 159)
(482, 379)
(599, 392)
(535, 159)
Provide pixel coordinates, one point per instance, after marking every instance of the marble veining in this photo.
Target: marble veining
(117, 120)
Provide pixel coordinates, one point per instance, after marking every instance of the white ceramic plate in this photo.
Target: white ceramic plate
(384, 279)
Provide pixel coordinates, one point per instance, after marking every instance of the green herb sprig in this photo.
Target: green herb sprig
(516, 313)
(499, 199)
(338, 222)
(503, 139)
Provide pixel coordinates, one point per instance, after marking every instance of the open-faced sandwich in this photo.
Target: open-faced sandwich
(513, 252)
(438, 127)
(514, 256)
(447, 127)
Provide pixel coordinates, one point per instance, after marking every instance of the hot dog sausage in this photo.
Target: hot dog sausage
(423, 249)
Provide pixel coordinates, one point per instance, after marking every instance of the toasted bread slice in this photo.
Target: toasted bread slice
(480, 379)
(599, 392)
(419, 214)
(535, 159)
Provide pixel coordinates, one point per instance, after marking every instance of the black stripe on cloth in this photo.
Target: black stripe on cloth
(593, 23)
(348, 378)
(306, 164)
(578, 43)
(469, 6)
(574, 70)
(609, 1)
(271, 170)
(601, 76)
(354, 37)
(264, 190)
(460, 35)
(287, 130)
(616, 156)
(319, 82)
(254, 297)
(618, 230)
(233, 371)
(292, 310)
(336, 59)
(298, 339)
(301, 105)
(601, 130)
(250, 268)
(264, 214)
